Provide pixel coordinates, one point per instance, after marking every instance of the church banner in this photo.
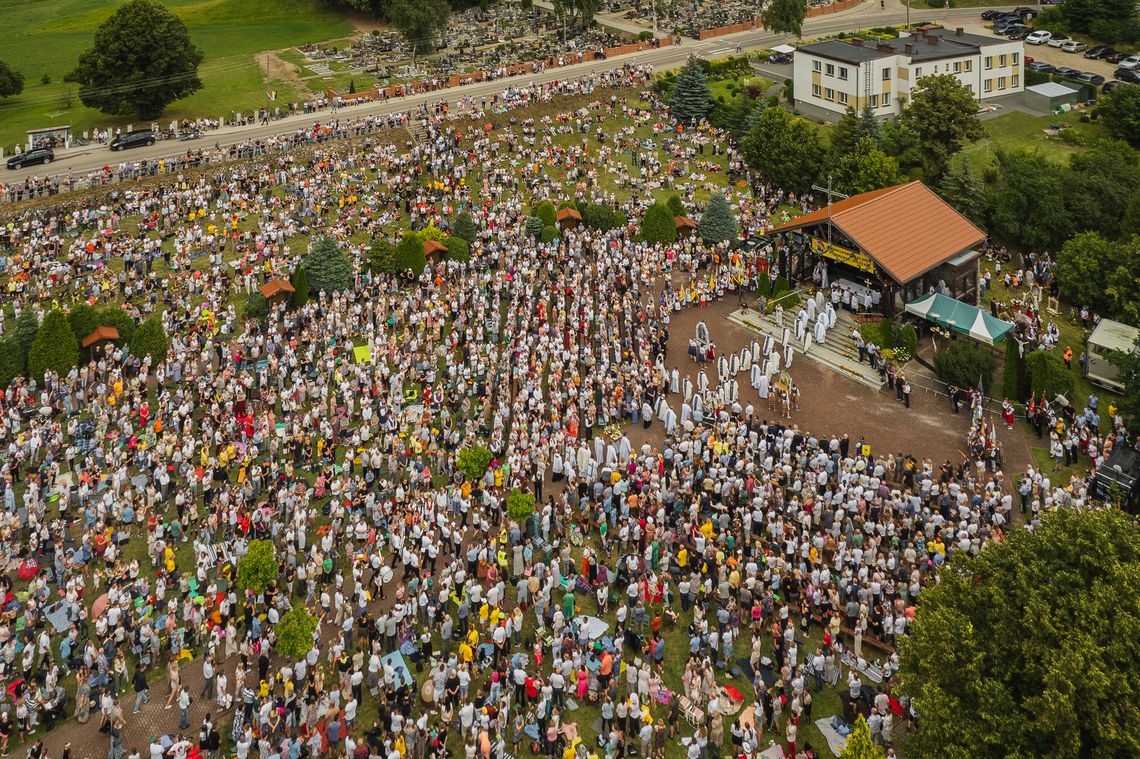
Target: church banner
(843, 255)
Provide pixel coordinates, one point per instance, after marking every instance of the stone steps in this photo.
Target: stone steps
(838, 353)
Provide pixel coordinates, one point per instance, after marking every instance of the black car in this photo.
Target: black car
(1115, 57)
(991, 14)
(1127, 75)
(1100, 51)
(1020, 33)
(780, 58)
(1024, 13)
(31, 158)
(135, 139)
(1066, 71)
(1041, 66)
(1090, 77)
(1110, 86)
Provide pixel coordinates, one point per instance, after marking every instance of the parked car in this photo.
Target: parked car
(1058, 40)
(1072, 46)
(1003, 30)
(780, 58)
(1098, 52)
(1039, 37)
(1130, 62)
(1024, 13)
(31, 158)
(1110, 86)
(1090, 77)
(1127, 75)
(135, 139)
(1020, 33)
(991, 14)
(1116, 57)
(1066, 71)
(1041, 66)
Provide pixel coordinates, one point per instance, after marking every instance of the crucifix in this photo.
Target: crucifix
(830, 193)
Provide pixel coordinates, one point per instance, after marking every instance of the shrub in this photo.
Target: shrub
(255, 306)
(114, 316)
(1048, 376)
(410, 254)
(328, 267)
(597, 216)
(520, 505)
(83, 319)
(533, 227)
(717, 223)
(258, 567)
(457, 249)
(676, 207)
(11, 362)
(473, 461)
(658, 226)
(1013, 372)
(463, 227)
(381, 257)
(150, 340)
(300, 288)
(549, 234)
(294, 633)
(962, 364)
(545, 211)
(55, 347)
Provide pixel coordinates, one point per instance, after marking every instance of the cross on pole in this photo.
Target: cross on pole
(830, 193)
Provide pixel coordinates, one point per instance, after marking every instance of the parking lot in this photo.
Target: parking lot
(1053, 55)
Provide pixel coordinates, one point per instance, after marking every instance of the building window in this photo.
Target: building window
(816, 66)
(1016, 57)
(815, 90)
(886, 75)
(1001, 82)
(989, 85)
(1014, 81)
(918, 72)
(957, 67)
(969, 65)
(1002, 60)
(874, 101)
(830, 69)
(842, 72)
(989, 62)
(843, 98)
(828, 94)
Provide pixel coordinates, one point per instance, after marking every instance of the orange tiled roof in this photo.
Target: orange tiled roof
(907, 229)
(275, 287)
(434, 246)
(100, 333)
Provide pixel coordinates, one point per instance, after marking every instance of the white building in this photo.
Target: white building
(832, 75)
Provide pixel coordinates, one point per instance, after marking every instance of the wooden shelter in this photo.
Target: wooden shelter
(276, 290)
(686, 227)
(567, 218)
(100, 335)
(434, 247)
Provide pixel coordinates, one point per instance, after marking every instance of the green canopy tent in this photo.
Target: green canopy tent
(960, 317)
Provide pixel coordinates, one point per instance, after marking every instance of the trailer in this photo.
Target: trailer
(1108, 336)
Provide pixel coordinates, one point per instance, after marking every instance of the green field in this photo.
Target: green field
(46, 37)
(1016, 129)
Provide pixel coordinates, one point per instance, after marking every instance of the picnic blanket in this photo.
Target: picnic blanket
(775, 751)
(835, 741)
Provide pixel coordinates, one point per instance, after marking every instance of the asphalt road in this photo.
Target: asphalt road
(84, 160)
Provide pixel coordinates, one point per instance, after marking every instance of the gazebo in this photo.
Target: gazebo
(434, 247)
(960, 317)
(686, 227)
(101, 334)
(276, 290)
(567, 218)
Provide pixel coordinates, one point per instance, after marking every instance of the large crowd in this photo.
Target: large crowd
(724, 539)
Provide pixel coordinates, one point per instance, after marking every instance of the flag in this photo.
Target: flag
(271, 94)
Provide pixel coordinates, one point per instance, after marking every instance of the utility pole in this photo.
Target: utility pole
(829, 192)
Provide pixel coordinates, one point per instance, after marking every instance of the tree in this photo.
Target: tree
(866, 168)
(381, 257)
(962, 190)
(142, 61)
(598, 216)
(676, 207)
(1127, 365)
(11, 362)
(785, 149)
(1047, 376)
(533, 227)
(659, 225)
(850, 128)
(1119, 111)
(1099, 183)
(520, 505)
(473, 461)
(115, 316)
(300, 288)
(1029, 209)
(27, 325)
(258, 567)
(546, 211)
(1120, 284)
(963, 364)
(1082, 267)
(1013, 370)
(691, 100)
(1027, 638)
(420, 22)
(83, 319)
(859, 744)
(457, 249)
(55, 347)
(150, 340)
(327, 266)
(717, 223)
(410, 254)
(256, 306)
(11, 81)
(784, 16)
(464, 227)
(1130, 224)
(943, 114)
(294, 631)
(901, 143)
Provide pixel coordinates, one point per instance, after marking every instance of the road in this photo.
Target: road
(81, 161)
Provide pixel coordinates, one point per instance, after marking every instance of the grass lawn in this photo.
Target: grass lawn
(53, 33)
(1021, 130)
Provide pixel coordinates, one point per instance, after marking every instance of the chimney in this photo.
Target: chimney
(959, 31)
(910, 48)
(857, 42)
(932, 39)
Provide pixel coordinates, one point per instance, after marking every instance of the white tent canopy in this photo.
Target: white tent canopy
(783, 49)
